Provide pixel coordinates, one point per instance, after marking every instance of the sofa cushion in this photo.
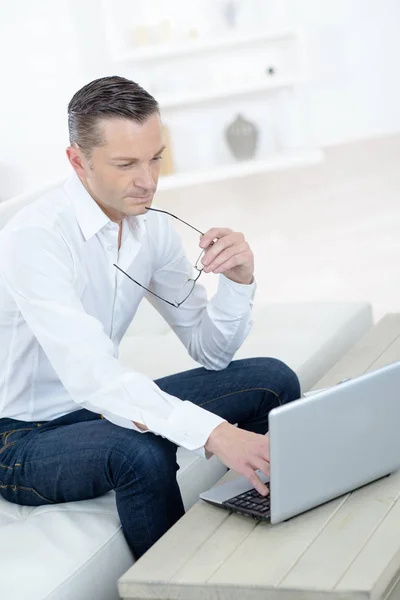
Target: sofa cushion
(10, 207)
(309, 337)
(77, 550)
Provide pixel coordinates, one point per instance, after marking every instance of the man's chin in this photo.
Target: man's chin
(133, 208)
(140, 210)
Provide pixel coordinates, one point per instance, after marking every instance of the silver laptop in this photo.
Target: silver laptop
(323, 446)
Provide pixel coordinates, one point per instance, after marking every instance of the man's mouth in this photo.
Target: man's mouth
(140, 199)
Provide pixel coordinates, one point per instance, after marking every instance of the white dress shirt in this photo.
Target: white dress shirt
(64, 309)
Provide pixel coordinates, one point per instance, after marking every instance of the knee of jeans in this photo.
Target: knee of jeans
(286, 379)
(146, 458)
(290, 383)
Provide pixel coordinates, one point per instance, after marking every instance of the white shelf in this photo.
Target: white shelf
(191, 99)
(182, 50)
(241, 169)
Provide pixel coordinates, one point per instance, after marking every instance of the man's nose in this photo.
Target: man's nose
(144, 178)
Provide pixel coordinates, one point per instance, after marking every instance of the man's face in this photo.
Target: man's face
(122, 174)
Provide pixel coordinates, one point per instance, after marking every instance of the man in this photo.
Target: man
(74, 267)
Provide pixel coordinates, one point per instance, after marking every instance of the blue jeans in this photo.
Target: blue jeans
(81, 455)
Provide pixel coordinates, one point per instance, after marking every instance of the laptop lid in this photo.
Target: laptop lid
(334, 441)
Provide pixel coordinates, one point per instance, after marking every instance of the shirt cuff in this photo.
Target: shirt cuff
(178, 426)
(190, 426)
(234, 298)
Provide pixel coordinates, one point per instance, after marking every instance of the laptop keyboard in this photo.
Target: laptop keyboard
(250, 503)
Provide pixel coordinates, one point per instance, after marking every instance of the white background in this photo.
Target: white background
(50, 48)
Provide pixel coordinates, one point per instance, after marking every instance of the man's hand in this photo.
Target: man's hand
(227, 252)
(242, 451)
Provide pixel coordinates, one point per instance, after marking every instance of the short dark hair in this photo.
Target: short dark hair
(107, 97)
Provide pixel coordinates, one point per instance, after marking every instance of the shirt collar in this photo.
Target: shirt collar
(91, 219)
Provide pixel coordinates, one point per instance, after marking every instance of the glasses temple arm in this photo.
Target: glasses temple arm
(145, 288)
(175, 217)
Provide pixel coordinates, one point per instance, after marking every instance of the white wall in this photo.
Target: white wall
(353, 52)
(38, 50)
(50, 48)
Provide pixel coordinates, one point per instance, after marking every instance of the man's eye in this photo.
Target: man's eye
(156, 158)
(125, 166)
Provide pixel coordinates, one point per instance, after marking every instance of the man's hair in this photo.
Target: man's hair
(107, 97)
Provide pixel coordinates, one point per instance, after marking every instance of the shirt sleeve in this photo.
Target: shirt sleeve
(212, 331)
(38, 271)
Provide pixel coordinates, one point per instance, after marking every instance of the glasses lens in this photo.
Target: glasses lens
(185, 291)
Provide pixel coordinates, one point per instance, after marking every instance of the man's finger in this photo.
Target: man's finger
(219, 246)
(213, 234)
(234, 261)
(225, 255)
(262, 465)
(257, 483)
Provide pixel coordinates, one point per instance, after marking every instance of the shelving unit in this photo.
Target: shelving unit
(201, 84)
(164, 52)
(239, 170)
(173, 101)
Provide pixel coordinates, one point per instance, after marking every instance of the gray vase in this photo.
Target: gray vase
(230, 10)
(242, 137)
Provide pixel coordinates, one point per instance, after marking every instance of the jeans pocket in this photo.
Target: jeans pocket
(14, 484)
(9, 438)
(23, 494)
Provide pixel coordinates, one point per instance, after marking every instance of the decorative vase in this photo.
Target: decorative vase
(242, 138)
(230, 12)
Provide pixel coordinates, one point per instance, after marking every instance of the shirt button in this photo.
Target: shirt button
(110, 248)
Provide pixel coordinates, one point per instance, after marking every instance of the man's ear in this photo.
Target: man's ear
(77, 160)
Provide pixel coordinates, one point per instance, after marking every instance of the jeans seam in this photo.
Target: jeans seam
(7, 446)
(6, 435)
(66, 453)
(27, 489)
(8, 467)
(241, 392)
(141, 490)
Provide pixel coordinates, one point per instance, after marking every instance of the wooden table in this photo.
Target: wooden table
(346, 549)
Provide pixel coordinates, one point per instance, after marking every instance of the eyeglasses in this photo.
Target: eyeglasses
(188, 286)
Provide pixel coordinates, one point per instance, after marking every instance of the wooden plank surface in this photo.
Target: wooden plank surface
(366, 352)
(374, 566)
(151, 591)
(271, 551)
(341, 555)
(347, 549)
(173, 550)
(332, 552)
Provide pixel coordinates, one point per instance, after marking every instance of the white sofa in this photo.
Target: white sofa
(76, 551)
